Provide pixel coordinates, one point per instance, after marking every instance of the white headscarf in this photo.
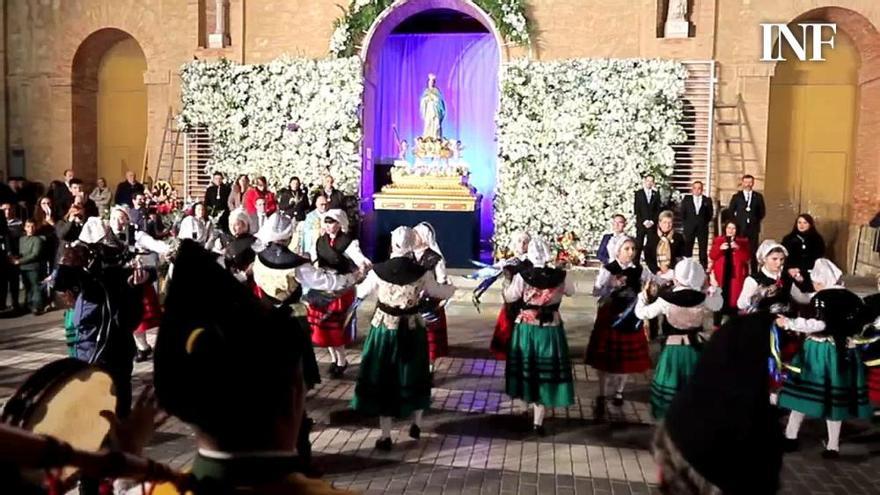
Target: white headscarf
(402, 241)
(539, 252)
(826, 273)
(426, 231)
(239, 215)
(339, 216)
(93, 231)
(765, 248)
(517, 240)
(617, 242)
(277, 228)
(689, 273)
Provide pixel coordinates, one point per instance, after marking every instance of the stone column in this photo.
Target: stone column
(220, 37)
(677, 25)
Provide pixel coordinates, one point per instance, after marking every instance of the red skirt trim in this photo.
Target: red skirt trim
(327, 323)
(503, 330)
(614, 351)
(152, 310)
(873, 375)
(438, 340)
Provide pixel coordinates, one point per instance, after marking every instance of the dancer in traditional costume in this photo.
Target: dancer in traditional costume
(618, 345)
(538, 368)
(519, 246)
(827, 379)
(685, 307)
(870, 347)
(333, 324)
(281, 274)
(394, 379)
(238, 251)
(427, 254)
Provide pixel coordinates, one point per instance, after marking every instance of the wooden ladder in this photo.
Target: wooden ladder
(736, 140)
(169, 162)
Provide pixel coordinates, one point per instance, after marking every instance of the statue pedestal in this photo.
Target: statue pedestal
(676, 29)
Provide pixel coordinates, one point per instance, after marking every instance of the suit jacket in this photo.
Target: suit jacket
(335, 200)
(696, 222)
(645, 210)
(748, 217)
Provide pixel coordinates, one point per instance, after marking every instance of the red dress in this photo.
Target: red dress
(328, 322)
(152, 310)
(503, 330)
(740, 263)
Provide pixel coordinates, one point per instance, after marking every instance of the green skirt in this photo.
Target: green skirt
(819, 388)
(674, 368)
(394, 378)
(70, 333)
(538, 366)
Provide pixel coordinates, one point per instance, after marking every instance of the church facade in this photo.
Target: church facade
(90, 85)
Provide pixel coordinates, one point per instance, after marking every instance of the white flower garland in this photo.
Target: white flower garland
(575, 138)
(289, 117)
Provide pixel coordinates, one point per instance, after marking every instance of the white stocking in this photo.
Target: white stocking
(140, 340)
(341, 359)
(621, 382)
(417, 418)
(794, 425)
(539, 414)
(332, 351)
(385, 424)
(833, 434)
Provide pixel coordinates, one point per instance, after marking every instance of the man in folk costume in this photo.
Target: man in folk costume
(427, 254)
(720, 434)
(618, 345)
(519, 245)
(394, 379)
(332, 324)
(685, 308)
(538, 369)
(827, 378)
(245, 445)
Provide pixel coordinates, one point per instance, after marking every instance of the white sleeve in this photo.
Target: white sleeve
(602, 287)
(353, 252)
(645, 311)
(319, 279)
(514, 291)
(440, 272)
(804, 325)
(568, 289)
(146, 242)
(800, 297)
(748, 290)
(368, 286)
(714, 301)
(437, 290)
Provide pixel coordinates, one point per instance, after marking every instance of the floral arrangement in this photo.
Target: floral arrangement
(576, 136)
(571, 252)
(291, 116)
(349, 30)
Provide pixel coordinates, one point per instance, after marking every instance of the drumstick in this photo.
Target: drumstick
(25, 449)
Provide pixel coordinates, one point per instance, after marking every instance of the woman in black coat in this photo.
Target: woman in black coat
(293, 200)
(804, 244)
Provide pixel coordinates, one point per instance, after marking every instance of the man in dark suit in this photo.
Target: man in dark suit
(646, 208)
(217, 200)
(62, 196)
(79, 197)
(748, 210)
(696, 214)
(607, 251)
(335, 197)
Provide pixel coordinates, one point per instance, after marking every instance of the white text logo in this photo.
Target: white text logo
(798, 46)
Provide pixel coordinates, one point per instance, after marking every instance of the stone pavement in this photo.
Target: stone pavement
(474, 439)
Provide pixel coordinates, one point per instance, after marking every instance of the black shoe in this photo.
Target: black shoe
(617, 401)
(333, 370)
(143, 355)
(415, 432)
(790, 445)
(539, 430)
(599, 408)
(383, 444)
(830, 455)
(337, 371)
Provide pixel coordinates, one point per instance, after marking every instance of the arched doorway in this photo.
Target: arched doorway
(109, 106)
(817, 113)
(458, 42)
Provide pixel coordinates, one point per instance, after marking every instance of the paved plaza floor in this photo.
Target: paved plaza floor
(475, 440)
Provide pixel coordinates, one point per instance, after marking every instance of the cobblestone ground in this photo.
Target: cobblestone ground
(475, 440)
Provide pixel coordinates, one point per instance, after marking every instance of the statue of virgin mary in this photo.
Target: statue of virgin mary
(433, 109)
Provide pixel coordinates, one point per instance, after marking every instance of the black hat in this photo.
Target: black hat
(721, 427)
(872, 307)
(223, 359)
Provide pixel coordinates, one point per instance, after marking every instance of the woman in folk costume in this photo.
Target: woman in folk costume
(394, 379)
(870, 347)
(427, 254)
(618, 346)
(239, 251)
(827, 379)
(519, 245)
(328, 314)
(538, 368)
(685, 308)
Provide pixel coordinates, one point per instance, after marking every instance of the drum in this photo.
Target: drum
(64, 399)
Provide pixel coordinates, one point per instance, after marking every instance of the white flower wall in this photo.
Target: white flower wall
(288, 117)
(575, 138)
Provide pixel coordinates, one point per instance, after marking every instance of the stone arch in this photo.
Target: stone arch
(84, 68)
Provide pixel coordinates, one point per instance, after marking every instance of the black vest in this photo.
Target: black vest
(333, 257)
